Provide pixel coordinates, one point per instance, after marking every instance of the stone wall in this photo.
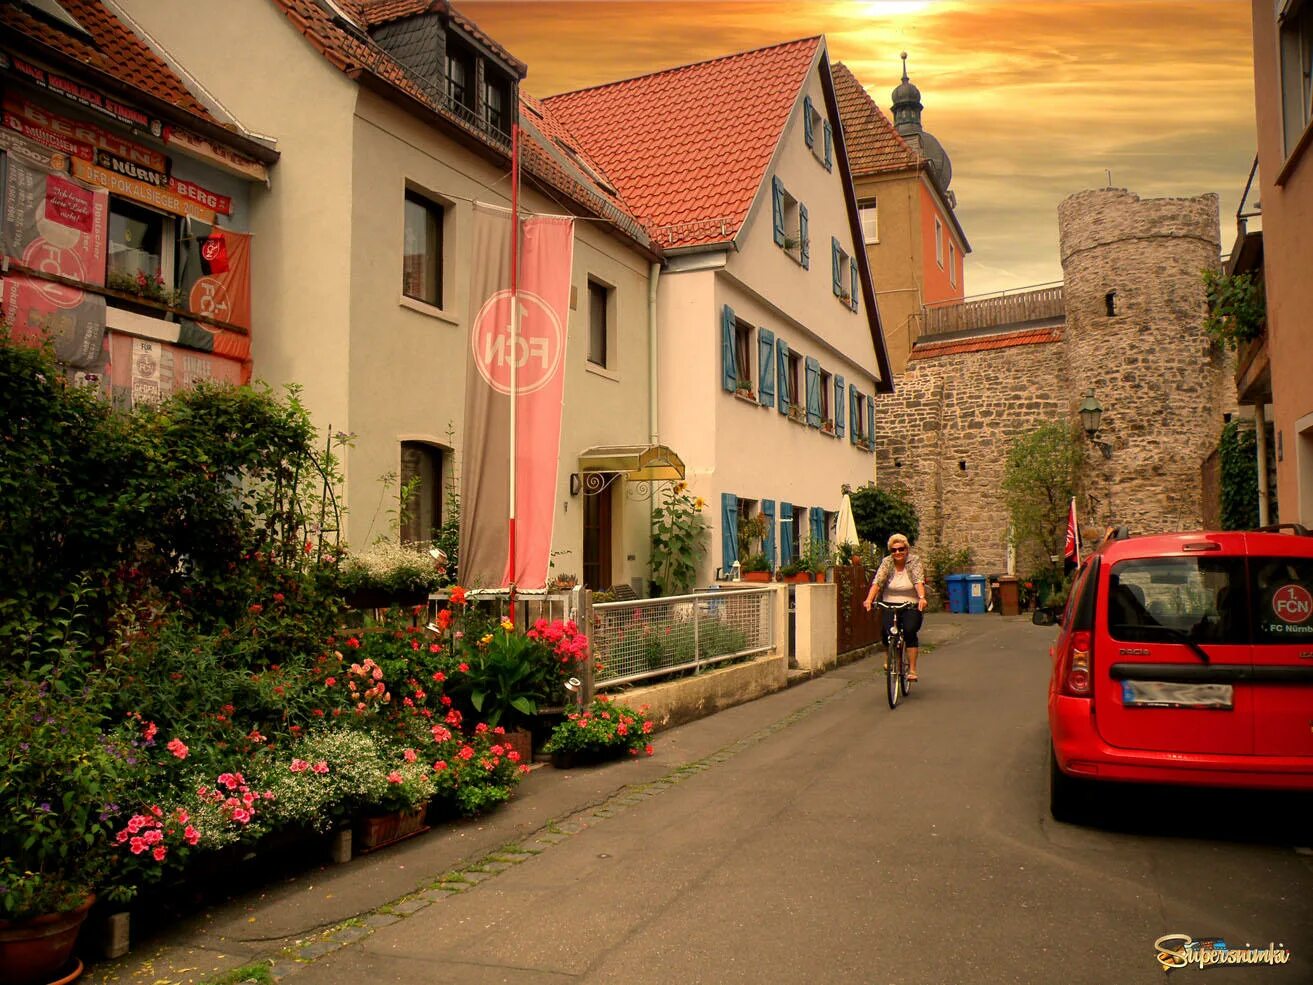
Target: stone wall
(945, 431)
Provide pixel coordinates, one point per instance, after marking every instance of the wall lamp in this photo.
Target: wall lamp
(575, 484)
(1091, 418)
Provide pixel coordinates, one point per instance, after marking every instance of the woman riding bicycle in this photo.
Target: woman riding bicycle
(900, 579)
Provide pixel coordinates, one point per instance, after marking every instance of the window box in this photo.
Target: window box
(827, 426)
(797, 414)
(744, 390)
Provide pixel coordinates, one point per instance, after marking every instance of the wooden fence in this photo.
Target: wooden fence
(1045, 304)
(857, 628)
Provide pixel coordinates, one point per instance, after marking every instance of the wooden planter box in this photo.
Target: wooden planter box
(376, 831)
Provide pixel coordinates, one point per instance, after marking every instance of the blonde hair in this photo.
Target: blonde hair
(898, 540)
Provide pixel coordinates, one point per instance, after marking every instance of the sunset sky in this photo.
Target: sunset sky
(1032, 99)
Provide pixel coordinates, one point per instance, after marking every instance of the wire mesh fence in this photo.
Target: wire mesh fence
(657, 637)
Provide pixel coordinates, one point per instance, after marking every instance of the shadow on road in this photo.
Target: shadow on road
(1249, 816)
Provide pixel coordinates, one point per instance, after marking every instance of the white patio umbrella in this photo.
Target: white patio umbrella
(845, 528)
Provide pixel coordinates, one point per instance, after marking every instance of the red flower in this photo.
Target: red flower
(256, 609)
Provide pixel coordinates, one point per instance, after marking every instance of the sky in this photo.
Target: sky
(1034, 100)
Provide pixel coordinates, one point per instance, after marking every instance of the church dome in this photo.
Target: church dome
(907, 121)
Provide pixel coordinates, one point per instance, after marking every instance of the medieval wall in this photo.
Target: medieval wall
(944, 433)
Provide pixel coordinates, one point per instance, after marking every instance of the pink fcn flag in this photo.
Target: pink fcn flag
(546, 255)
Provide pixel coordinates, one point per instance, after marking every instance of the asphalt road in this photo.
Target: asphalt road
(843, 842)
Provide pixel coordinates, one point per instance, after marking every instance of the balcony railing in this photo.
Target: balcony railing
(1042, 304)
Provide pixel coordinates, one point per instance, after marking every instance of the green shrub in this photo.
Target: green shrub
(941, 562)
(882, 512)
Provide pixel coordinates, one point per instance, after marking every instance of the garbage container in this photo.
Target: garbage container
(975, 594)
(957, 593)
(1009, 595)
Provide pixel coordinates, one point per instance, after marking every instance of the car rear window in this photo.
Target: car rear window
(1080, 606)
(1202, 599)
(1283, 599)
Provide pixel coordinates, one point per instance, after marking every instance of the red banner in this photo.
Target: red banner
(221, 291)
(1071, 550)
(538, 356)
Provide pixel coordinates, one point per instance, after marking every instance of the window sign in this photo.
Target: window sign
(1283, 591)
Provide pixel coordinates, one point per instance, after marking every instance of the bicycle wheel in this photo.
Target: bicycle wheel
(905, 668)
(896, 659)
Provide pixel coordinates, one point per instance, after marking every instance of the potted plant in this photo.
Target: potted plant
(827, 425)
(797, 413)
(603, 730)
(755, 567)
(793, 571)
(508, 674)
(390, 573)
(817, 557)
(744, 389)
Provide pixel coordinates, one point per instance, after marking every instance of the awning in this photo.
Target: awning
(638, 463)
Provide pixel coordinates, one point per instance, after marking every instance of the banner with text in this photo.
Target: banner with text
(546, 255)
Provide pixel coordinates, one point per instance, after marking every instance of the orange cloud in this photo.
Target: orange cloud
(1033, 99)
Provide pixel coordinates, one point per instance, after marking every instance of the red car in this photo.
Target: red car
(1185, 659)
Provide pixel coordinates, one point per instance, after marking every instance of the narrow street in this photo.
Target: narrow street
(842, 842)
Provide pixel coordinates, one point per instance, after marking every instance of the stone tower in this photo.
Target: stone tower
(1135, 307)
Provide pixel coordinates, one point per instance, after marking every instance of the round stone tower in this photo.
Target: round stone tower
(1135, 303)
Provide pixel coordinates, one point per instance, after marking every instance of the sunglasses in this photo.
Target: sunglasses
(898, 550)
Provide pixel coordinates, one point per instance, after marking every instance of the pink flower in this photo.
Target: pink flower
(255, 609)
(138, 845)
(148, 733)
(410, 755)
(181, 816)
(176, 747)
(228, 780)
(394, 777)
(464, 668)
(441, 734)
(299, 766)
(320, 767)
(159, 853)
(439, 766)
(648, 749)
(330, 681)
(192, 835)
(466, 752)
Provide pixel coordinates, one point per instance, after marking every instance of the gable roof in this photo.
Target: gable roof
(350, 49)
(687, 148)
(874, 146)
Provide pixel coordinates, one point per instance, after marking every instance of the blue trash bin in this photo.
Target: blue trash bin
(957, 593)
(975, 594)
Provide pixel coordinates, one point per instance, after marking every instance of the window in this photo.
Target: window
(1167, 599)
(789, 217)
(1296, 29)
(952, 264)
(494, 103)
(421, 481)
(870, 220)
(858, 422)
(794, 531)
(421, 259)
(844, 270)
(1281, 594)
(743, 357)
(795, 361)
(826, 416)
(939, 243)
(599, 297)
(459, 90)
(141, 243)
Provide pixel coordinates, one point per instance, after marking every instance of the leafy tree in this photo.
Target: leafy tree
(880, 513)
(1236, 308)
(1041, 476)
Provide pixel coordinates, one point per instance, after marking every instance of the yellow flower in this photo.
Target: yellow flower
(699, 503)
(507, 625)
(680, 487)
(486, 640)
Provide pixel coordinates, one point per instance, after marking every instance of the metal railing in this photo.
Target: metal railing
(648, 638)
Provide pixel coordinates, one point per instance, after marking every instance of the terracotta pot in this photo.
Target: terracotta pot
(378, 830)
(756, 576)
(37, 951)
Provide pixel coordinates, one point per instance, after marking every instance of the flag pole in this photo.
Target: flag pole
(515, 337)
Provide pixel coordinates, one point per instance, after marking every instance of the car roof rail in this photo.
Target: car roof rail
(1273, 528)
(1121, 532)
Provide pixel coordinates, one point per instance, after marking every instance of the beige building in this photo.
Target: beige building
(910, 230)
(391, 120)
(770, 344)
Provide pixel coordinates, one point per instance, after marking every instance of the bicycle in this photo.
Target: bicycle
(896, 665)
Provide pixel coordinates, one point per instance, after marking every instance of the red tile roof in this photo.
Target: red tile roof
(114, 50)
(687, 148)
(982, 343)
(874, 146)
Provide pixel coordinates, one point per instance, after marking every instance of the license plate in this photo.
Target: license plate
(1166, 694)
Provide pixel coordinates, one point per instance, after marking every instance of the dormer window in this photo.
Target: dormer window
(494, 102)
(459, 90)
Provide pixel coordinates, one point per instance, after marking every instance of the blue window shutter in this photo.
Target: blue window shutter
(854, 408)
(813, 392)
(818, 524)
(729, 377)
(768, 544)
(766, 367)
(729, 531)
(829, 141)
(870, 424)
(807, 133)
(786, 533)
(835, 262)
(777, 208)
(852, 267)
(782, 375)
(803, 244)
(838, 406)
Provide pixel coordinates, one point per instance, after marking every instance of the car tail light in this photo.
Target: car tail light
(1076, 679)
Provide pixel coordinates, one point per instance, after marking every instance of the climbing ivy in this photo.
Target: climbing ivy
(1236, 308)
(1237, 450)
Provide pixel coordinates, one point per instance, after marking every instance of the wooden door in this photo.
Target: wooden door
(597, 540)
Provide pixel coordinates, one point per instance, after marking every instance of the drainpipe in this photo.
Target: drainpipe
(1260, 437)
(654, 272)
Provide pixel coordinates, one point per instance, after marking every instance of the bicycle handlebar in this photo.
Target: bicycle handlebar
(895, 605)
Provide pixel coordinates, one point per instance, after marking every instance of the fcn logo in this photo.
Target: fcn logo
(538, 346)
(1292, 603)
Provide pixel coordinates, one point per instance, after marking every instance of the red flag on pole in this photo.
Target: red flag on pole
(1071, 551)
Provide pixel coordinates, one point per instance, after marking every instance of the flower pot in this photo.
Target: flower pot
(819, 576)
(801, 576)
(521, 740)
(756, 576)
(378, 830)
(585, 757)
(38, 951)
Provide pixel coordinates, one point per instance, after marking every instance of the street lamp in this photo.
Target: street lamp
(1091, 417)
